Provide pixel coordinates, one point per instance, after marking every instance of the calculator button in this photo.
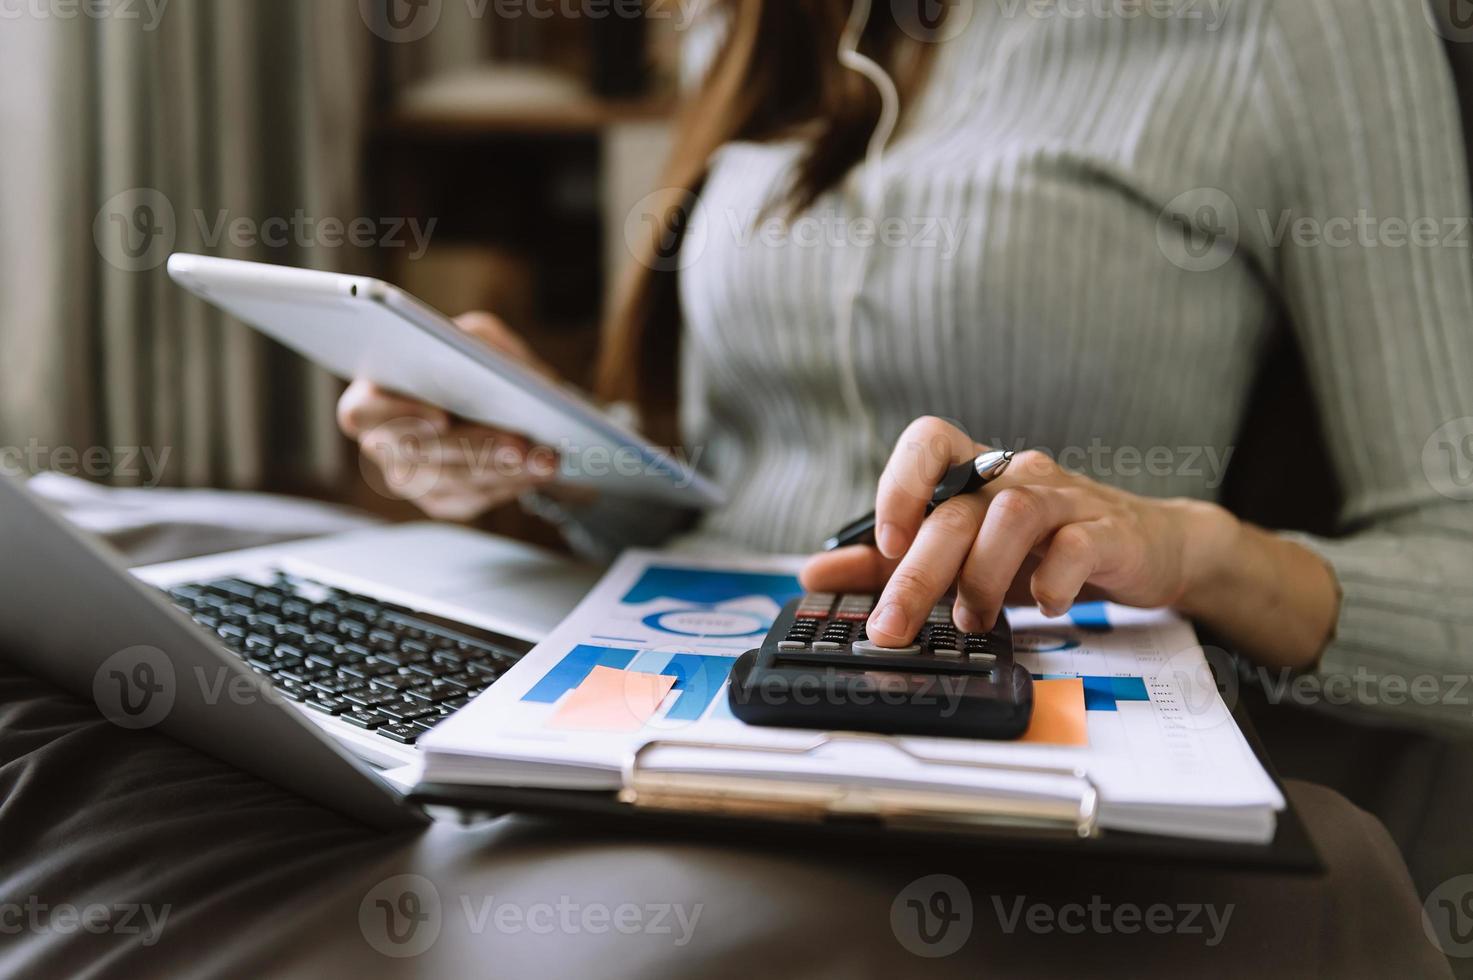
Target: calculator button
(870, 649)
(827, 646)
(946, 651)
(791, 646)
(983, 659)
(941, 614)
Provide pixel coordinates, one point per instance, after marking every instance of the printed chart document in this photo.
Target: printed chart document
(1123, 698)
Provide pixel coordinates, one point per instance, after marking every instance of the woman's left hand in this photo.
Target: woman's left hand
(1038, 533)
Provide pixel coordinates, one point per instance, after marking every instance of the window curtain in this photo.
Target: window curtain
(133, 128)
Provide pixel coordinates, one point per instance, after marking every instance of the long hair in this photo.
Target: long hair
(776, 74)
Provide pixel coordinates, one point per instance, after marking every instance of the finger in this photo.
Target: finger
(923, 454)
(365, 406)
(1017, 519)
(494, 333)
(1075, 552)
(926, 572)
(858, 568)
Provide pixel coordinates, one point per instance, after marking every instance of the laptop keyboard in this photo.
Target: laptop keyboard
(377, 666)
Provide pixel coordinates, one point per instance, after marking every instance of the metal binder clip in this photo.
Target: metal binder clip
(955, 809)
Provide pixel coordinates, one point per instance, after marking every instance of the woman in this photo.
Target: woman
(1055, 304)
(1126, 203)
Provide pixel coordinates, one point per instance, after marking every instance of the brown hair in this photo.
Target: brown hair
(776, 72)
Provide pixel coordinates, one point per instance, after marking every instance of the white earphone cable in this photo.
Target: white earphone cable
(871, 200)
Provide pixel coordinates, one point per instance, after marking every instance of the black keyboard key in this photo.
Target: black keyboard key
(291, 690)
(400, 658)
(353, 629)
(435, 668)
(395, 682)
(340, 686)
(328, 704)
(296, 610)
(354, 651)
(369, 669)
(407, 711)
(435, 691)
(305, 674)
(405, 734)
(364, 718)
(372, 698)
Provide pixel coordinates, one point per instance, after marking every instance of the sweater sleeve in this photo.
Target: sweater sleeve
(1377, 278)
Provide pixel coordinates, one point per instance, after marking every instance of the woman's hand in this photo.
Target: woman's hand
(451, 469)
(1038, 534)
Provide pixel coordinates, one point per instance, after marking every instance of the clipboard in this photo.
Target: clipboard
(680, 806)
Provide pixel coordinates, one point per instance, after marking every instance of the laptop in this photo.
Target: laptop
(314, 665)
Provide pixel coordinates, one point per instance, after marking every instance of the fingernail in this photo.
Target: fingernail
(890, 540)
(966, 620)
(890, 620)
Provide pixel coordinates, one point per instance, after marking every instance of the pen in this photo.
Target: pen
(968, 477)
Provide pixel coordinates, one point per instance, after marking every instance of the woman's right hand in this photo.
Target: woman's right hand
(451, 469)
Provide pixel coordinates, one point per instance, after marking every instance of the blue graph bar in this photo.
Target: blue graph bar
(572, 669)
(698, 677)
(1105, 693)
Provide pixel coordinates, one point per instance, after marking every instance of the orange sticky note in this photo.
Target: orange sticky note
(612, 700)
(1058, 713)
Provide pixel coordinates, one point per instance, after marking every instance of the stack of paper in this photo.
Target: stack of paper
(1122, 696)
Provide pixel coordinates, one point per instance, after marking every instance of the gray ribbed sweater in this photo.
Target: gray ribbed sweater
(1042, 288)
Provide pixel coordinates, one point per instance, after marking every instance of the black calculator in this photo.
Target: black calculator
(817, 668)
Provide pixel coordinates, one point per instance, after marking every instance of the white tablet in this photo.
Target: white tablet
(357, 327)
